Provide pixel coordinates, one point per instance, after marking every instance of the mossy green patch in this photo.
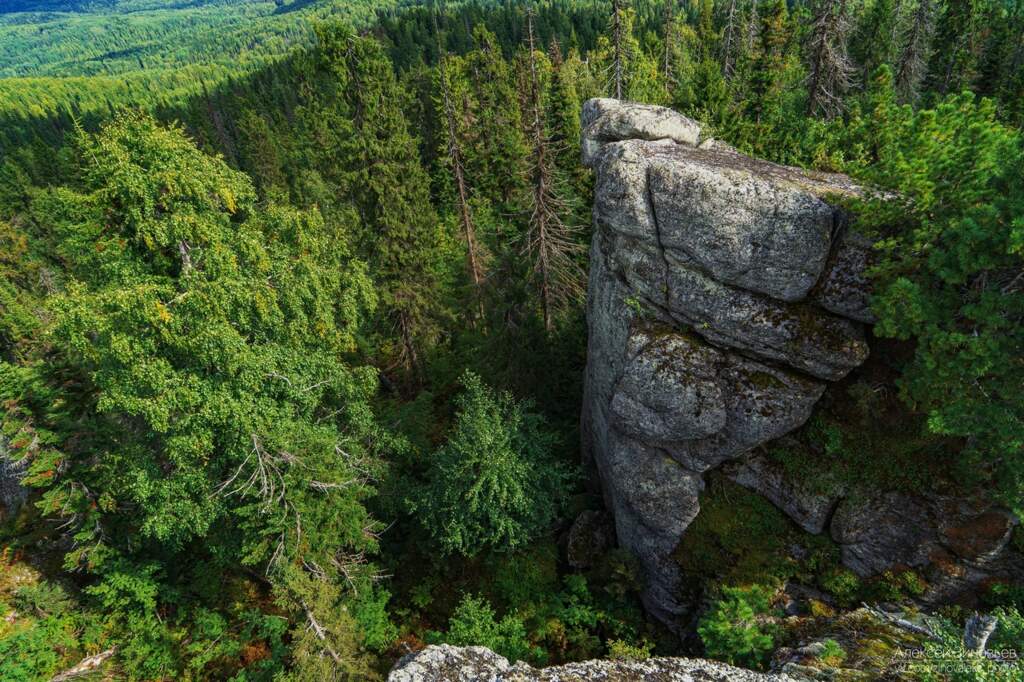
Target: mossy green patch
(863, 439)
(739, 537)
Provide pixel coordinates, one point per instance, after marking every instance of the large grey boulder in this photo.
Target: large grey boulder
(705, 340)
(725, 294)
(446, 663)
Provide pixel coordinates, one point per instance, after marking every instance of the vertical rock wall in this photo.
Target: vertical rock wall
(723, 297)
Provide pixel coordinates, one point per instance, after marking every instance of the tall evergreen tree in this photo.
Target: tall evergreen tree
(770, 57)
(954, 67)
(389, 190)
(876, 39)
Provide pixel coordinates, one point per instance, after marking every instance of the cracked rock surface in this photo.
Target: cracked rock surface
(724, 295)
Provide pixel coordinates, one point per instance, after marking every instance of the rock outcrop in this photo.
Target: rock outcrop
(447, 663)
(724, 295)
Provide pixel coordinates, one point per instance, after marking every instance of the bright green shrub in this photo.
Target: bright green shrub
(474, 624)
(731, 631)
(842, 584)
(624, 651)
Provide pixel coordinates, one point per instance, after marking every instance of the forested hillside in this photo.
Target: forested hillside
(292, 324)
(121, 36)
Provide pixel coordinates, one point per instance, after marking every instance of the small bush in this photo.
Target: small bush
(732, 631)
(625, 651)
(474, 624)
(843, 585)
(832, 653)
(896, 586)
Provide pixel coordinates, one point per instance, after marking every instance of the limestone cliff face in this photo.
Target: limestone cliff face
(725, 294)
(447, 663)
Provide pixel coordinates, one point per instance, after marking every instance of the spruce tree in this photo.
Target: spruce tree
(387, 186)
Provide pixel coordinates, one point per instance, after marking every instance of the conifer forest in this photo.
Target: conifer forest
(295, 305)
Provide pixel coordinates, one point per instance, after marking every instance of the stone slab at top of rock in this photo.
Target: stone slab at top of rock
(607, 120)
(446, 663)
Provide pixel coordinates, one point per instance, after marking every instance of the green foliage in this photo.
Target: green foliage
(190, 345)
(371, 616)
(832, 653)
(894, 586)
(474, 624)
(624, 651)
(950, 251)
(843, 584)
(126, 36)
(730, 630)
(496, 482)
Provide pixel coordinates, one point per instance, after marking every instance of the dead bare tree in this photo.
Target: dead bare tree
(752, 28)
(86, 666)
(550, 242)
(729, 40)
(670, 34)
(617, 59)
(913, 60)
(831, 70)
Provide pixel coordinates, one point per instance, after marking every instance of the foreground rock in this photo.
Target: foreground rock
(476, 664)
(708, 334)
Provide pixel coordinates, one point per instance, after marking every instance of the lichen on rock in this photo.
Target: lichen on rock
(447, 663)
